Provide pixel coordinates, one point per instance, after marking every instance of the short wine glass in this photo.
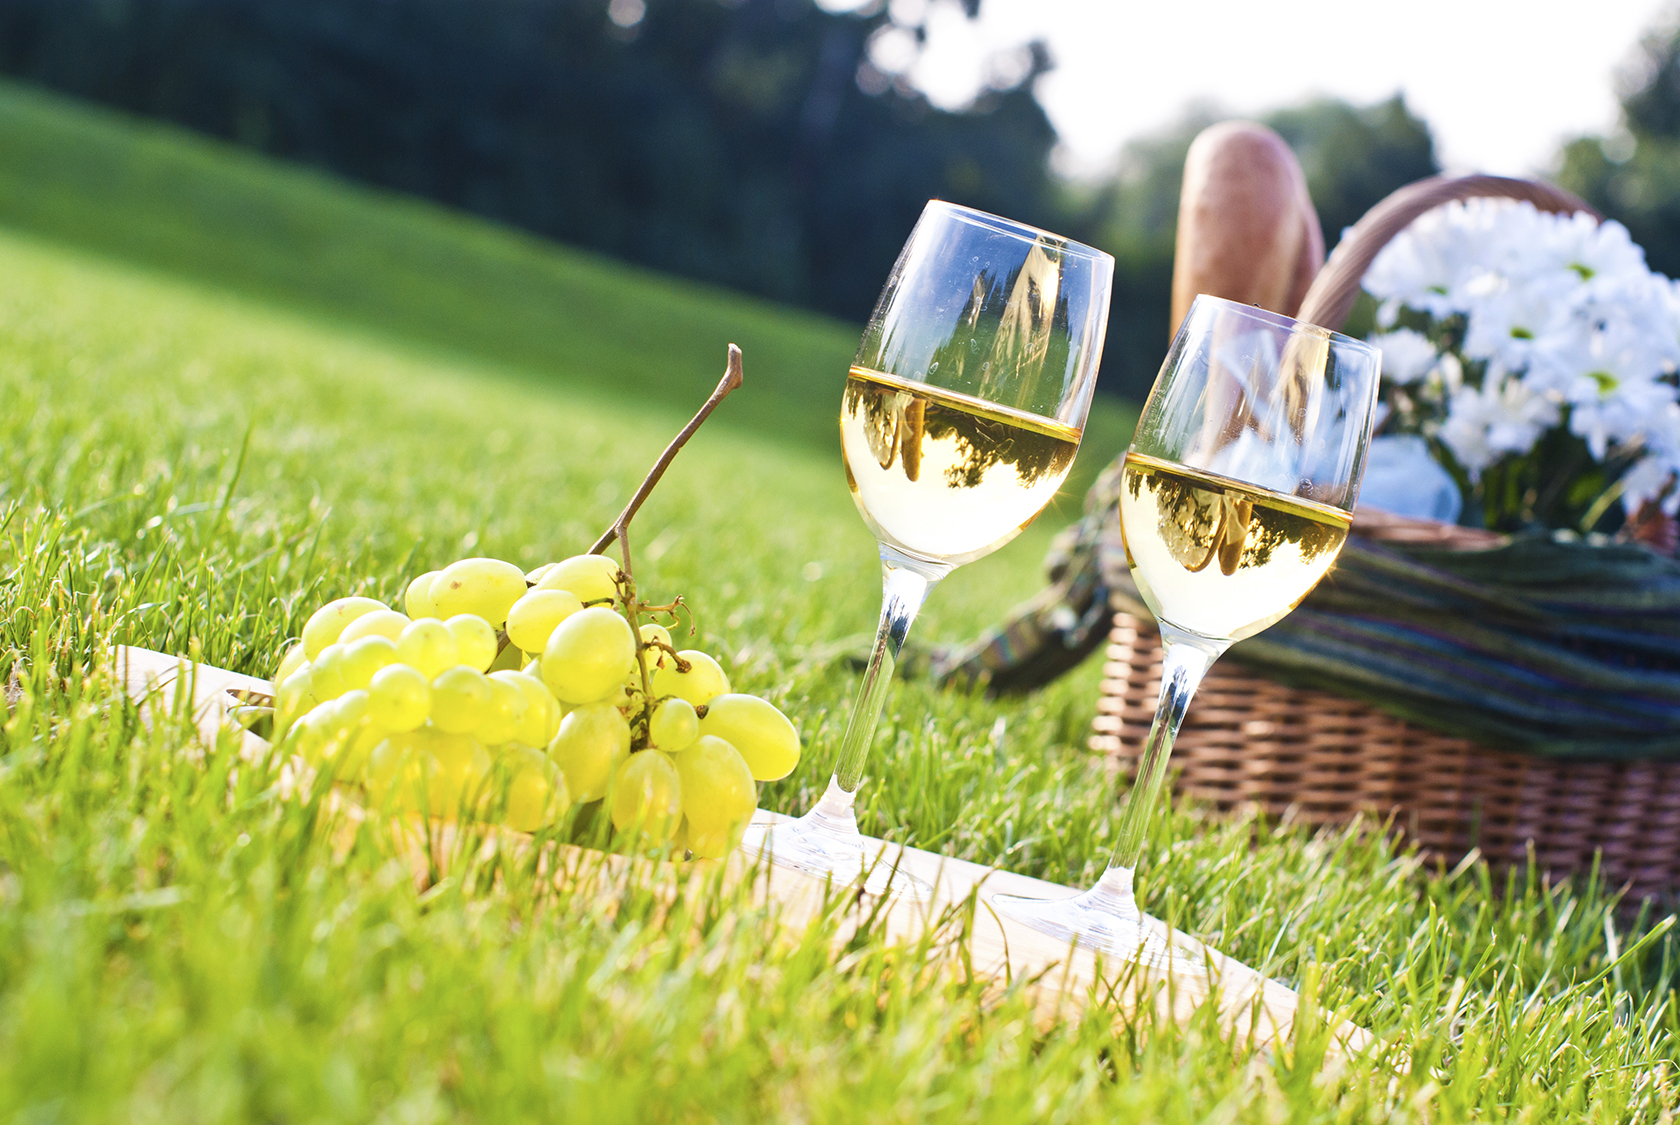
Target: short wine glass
(1235, 499)
(959, 420)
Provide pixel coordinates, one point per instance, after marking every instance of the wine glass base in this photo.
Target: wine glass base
(1100, 920)
(812, 845)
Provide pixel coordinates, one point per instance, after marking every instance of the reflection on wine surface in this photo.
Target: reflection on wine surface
(1219, 557)
(941, 475)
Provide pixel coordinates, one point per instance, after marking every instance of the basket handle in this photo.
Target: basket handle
(1336, 287)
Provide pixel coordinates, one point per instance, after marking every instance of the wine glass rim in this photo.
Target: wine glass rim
(1026, 232)
(1279, 320)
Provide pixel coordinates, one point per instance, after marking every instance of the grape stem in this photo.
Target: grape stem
(620, 530)
(632, 610)
(732, 378)
(679, 663)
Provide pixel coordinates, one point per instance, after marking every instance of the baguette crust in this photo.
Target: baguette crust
(1247, 228)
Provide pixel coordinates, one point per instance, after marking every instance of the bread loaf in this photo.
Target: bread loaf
(1247, 229)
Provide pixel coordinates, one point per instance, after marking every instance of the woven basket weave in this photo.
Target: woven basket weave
(1325, 759)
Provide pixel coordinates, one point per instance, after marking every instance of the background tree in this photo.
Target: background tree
(1633, 175)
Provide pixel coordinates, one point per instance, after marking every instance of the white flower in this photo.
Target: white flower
(1604, 354)
(1621, 414)
(1508, 318)
(1503, 416)
(1407, 356)
(1651, 474)
(1448, 375)
(1582, 245)
(1425, 263)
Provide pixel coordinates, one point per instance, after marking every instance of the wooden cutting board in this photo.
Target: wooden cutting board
(1062, 982)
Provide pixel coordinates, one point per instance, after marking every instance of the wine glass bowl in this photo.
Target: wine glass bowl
(942, 476)
(1235, 498)
(959, 420)
(1241, 479)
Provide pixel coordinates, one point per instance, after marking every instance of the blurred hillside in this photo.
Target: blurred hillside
(764, 145)
(726, 143)
(422, 276)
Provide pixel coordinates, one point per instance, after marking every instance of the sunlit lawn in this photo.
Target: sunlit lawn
(198, 455)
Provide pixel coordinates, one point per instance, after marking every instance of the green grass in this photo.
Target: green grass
(195, 453)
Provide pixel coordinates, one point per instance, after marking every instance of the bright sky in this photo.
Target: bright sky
(1500, 83)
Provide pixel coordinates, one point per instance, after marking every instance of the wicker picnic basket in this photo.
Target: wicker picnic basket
(1324, 758)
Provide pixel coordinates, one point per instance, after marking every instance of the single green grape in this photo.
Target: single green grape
(399, 698)
(718, 796)
(475, 640)
(322, 734)
(533, 617)
(310, 733)
(589, 655)
(327, 623)
(536, 789)
(703, 681)
(460, 699)
(427, 771)
(326, 681)
(354, 734)
(387, 623)
(623, 694)
(428, 646)
(485, 587)
(673, 726)
(532, 577)
(589, 746)
(505, 716)
(655, 635)
(295, 695)
(386, 765)
(417, 598)
(762, 734)
(350, 709)
(593, 578)
(361, 659)
(647, 797)
(542, 710)
(294, 659)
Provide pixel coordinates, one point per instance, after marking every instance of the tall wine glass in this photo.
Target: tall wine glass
(1235, 499)
(960, 418)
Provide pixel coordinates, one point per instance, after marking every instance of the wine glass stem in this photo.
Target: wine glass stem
(1185, 659)
(906, 584)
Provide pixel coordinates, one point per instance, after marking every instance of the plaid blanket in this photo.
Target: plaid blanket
(1544, 642)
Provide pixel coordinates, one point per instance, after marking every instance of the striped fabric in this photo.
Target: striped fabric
(1545, 642)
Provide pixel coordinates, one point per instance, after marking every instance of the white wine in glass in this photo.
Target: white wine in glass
(959, 420)
(1219, 557)
(942, 475)
(1235, 499)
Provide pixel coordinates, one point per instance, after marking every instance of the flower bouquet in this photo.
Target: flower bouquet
(1529, 373)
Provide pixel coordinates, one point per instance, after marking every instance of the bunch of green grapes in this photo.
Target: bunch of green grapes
(537, 687)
